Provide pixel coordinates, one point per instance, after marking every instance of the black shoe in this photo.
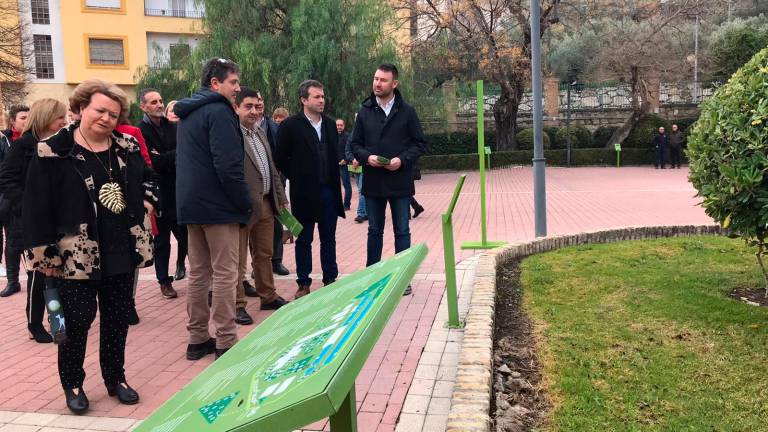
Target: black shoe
(417, 210)
(77, 403)
(10, 289)
(347, 208)
(250, 291)
(181, 272)
(198, 351)
(361, 219)
(408, 291)
(280, 269)
(38, 333)
(125, 394)
(242, 317)
(220, 352)
(274, 304)
(133, 316)
(329, 282)
(210, 298)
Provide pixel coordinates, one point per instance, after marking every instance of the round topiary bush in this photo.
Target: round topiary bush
(602, 135)
(581, 137)
(525, 139)
(728, 153)
(644, 131)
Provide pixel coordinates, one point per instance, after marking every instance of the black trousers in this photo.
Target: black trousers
(163, 247)
(78, 297)
(35, 298)
(13, 253)
(675, 156)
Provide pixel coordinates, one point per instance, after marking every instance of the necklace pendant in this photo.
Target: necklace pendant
(111, 197)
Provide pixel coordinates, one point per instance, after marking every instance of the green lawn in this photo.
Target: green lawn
(640, 336)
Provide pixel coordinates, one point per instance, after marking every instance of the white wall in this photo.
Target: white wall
(191, 5)
(164, 41)
(57, 41)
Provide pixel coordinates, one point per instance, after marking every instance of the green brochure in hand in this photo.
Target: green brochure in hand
(356, 170)
(382, 160)
(286, 218)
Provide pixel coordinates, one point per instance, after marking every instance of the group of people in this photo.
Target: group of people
(91, 199)
(672, 143)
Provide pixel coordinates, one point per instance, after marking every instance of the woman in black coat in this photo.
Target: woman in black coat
(86, 207)
(46, 117)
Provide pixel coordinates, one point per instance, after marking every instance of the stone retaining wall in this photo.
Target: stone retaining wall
(471, 399)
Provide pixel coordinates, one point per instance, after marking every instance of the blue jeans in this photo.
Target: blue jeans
(327, 230)
(400, 208)
(344, 173)
(361, 211)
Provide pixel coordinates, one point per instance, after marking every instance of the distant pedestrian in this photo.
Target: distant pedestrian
(343, 162)
(280, 114)
(387, 138)
(213, 200)
(676, 144)
(660, 143)
(306, 153)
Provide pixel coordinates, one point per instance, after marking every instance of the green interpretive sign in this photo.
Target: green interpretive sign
(299, 365)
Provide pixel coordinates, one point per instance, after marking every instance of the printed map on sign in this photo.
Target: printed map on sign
(298, 365)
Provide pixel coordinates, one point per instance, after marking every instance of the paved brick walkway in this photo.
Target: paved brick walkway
(578, 200)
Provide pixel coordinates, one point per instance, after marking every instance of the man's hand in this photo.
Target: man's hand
(342, 162)
(394, 164)
(373, 160)
(355, 163)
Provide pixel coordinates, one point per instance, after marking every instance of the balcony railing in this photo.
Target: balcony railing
(176, 13)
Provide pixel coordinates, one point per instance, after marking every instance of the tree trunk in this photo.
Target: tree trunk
(505, 115)
(640, 107)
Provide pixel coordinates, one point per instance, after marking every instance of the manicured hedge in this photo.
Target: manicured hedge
(581, 137)
(457, 142)
(525, 139)
(602, 135)
(579, 157)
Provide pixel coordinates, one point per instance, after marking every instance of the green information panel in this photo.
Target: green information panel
(300, 364)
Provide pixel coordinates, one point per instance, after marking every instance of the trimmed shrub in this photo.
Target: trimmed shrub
(581, 137)
(728, 149)
(525, 139)
(457, 142)
(644, 131)
(602, 135)
(551, 131)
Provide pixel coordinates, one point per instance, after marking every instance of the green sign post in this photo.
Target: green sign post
(450, 258)
(617, 147)
(483, 243)
(298, 366)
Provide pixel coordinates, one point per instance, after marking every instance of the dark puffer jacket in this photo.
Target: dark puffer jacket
(210, 181)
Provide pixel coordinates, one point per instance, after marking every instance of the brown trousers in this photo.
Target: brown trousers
(261, 236)
(213, 262)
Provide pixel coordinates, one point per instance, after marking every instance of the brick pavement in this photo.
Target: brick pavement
(582, 199)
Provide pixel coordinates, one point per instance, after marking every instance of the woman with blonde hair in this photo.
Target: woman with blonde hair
(86, 207)
(46, 117)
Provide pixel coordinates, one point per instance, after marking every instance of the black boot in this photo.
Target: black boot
(39, 334)
(12, 264)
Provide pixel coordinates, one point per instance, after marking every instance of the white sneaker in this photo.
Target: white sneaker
(3, 273)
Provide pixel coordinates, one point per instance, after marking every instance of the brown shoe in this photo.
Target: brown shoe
(303, 290)
(167, 290)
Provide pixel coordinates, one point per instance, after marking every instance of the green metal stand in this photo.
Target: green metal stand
(450, 258)
(483, 243)
(345, 419)
(617, 147)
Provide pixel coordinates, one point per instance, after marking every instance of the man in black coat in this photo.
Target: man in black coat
(660, 144)
(388, 141)
(160, 135)
(213, 200)
(307, 155)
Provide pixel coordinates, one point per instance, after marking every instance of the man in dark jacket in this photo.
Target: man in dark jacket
(343, 162)
(160, 135)
(660, 142)
(270, 130)
(18, 120)
(307, 155)
(212, 199)
(388, 141)
(676, 142)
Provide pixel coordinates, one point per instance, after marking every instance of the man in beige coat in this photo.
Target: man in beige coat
(268, 198)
